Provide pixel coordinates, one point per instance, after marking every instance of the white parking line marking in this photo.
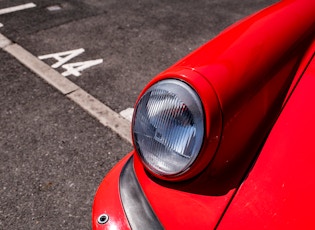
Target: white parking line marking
(98, 110)
(103, 113)
(127, 113)
(1, 25)
(17, 8)
(41, 69)
(54, 8)
(4, 42)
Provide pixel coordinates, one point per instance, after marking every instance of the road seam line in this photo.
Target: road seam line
(93, 106)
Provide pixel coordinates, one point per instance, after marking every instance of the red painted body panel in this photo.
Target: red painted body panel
(248, 69)
(107, 201)
(244, 78)
(178, 209)
(279, 191)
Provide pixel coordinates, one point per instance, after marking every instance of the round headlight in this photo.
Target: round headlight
(168, 127)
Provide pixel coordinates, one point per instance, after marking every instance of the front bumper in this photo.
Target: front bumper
(107, 201)
(132, 199)
(120, 203)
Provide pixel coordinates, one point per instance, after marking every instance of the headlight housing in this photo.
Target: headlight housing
(168, 127)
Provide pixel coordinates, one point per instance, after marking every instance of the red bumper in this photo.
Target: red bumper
(107, 201)
(132, 199)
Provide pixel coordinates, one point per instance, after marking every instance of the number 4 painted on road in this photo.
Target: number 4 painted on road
(72, 68)
(75, 68)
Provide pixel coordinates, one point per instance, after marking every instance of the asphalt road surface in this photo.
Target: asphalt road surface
(59, 139)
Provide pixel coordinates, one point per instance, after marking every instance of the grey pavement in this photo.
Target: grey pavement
(53, 155)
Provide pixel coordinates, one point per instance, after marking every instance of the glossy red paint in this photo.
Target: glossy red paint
(179, 209)
(107, 201)
(250, 68)
(279, 191)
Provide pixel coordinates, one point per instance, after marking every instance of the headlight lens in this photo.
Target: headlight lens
(168, 127)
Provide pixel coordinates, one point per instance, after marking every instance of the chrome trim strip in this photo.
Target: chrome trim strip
(137, 208)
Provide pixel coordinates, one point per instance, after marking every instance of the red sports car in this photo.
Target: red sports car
(224, 139)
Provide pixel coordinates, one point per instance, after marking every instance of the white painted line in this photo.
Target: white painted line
(41, 69)
(54, 8)
(127, 113)
(4, 41)
(1, 25)
(17, 8)
(101, 112)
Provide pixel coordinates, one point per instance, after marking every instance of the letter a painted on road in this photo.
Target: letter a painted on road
(76, 68)
(62, 57)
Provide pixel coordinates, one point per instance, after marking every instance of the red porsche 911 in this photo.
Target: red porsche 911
(225, 138)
